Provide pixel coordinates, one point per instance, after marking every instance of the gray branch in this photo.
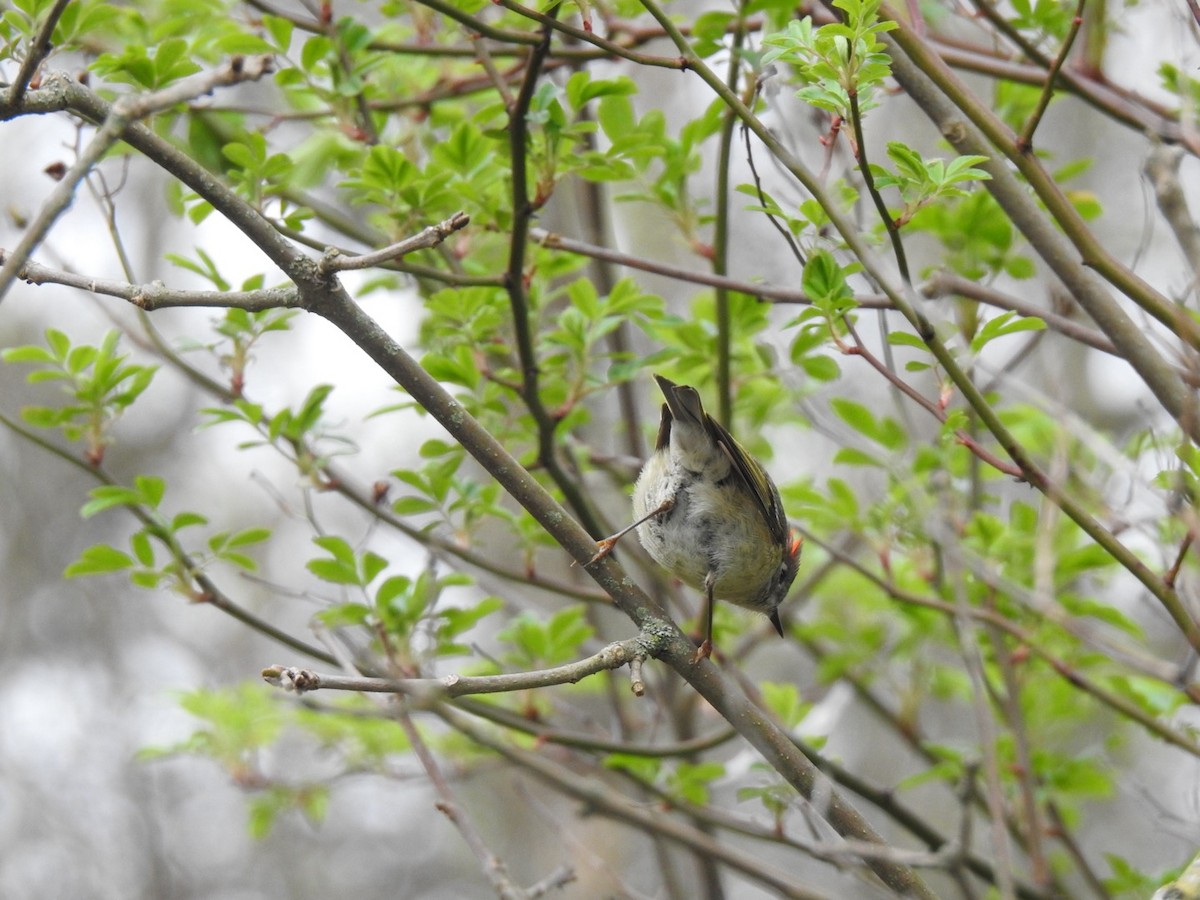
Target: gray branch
(428, 690)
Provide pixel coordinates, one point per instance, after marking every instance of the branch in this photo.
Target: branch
(603, 800)
(964, 438)
(337, 261)
(1025, 141)
(523, 209)
(693, 276)
(323, 295)
(494, 868)
(582, 34)
(116, 120)
(676, 650)
(590, 742)
(1071, 673)
(1119, 104)
(432, 690)
(38, 50)
(941, 284)
(156, 295)
(864, 167)
(1162, 168)
(720, 248)
(61, 92)
(946, 100)
(59, 199)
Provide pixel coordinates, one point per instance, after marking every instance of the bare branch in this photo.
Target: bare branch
(117, 117)
(156, 295)
(337, 261)
(428, 690)
(1162, 168)
(1025, 141)
(608, 802)
(493, 867)
(570, 245)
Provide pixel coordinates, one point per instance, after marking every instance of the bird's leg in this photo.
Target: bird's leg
(607, 544)
(705, 648)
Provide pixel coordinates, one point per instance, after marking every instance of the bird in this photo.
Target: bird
(708, 512)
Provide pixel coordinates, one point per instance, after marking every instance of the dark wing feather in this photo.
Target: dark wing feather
(759, 483)
(664, 429)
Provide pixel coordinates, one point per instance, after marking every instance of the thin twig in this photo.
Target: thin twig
(337, 261)
(605, 801)
(946, 99)
(864, 168)
(1024, 770)
(1162, 168)
(550, 21)
(157, 295)
(494, 868)
(964, 624)
(692, 276)
(1072, 674)
(1025, 140)
(962, 435)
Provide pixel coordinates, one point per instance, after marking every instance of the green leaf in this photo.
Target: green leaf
(249, 536)
(27, 354)
(906, 339)
(344, 615)
(143, 549)
(884, 431)
(824, 282)
(280, 30)
(616, 116)
(150, 489)
(852, 456)
(187, 520)
(548, 642)
(392, 589)
(107, 496)
(783, 699)
(820, 367)
(1002, 325)
(99, 560)
(372, 565)
(690, 782)
(644, 768)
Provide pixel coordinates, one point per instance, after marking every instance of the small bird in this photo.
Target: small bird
(708, 512)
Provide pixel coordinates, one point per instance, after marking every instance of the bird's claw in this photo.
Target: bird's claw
(605, 546)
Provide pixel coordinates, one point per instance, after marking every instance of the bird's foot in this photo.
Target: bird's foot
(605, 546)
